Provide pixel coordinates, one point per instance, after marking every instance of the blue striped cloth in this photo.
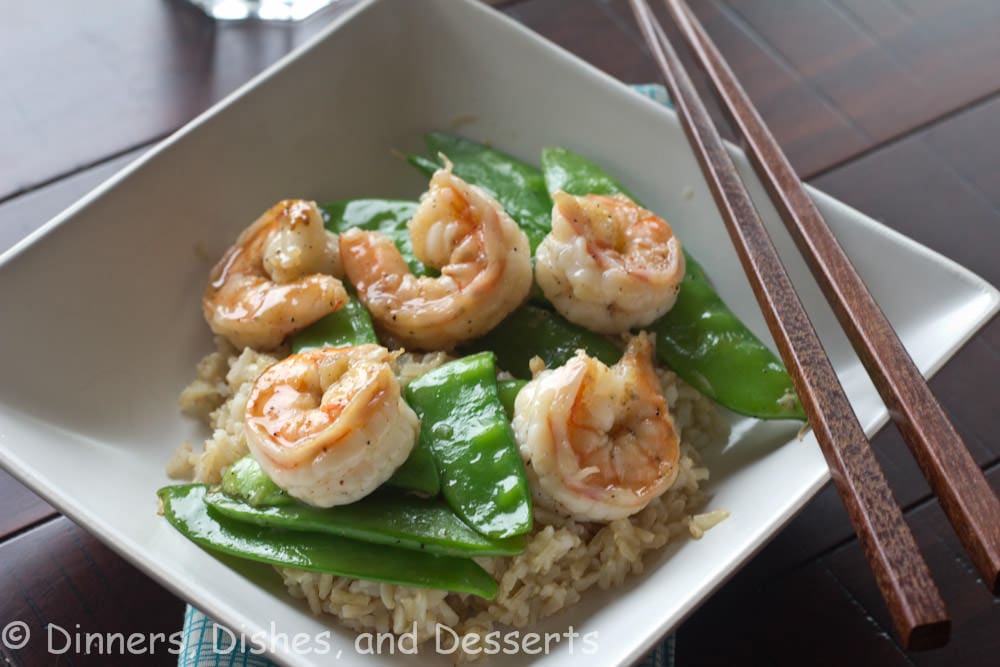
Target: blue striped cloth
(655, 92)
(201, 639)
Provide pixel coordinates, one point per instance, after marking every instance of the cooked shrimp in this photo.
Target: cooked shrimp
(330, 425)
(598, 441)
(276, 279)
(609, 265)
(483, 256)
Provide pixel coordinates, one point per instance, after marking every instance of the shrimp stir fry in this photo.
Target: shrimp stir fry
(276, 279)
(600, 441)
(482, 254)
(330, 425)
(609, 265)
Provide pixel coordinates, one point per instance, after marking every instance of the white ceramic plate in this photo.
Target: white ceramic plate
(102, 324)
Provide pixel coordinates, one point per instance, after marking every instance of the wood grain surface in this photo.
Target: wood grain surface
(906, 585)
(83, 81)
(80, 97)
(944, 460)
(58, 575)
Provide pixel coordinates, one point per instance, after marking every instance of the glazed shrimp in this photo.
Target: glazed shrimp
(330, 425)
(600, 442)
(483, 256)
(276, 279)
(608, 265)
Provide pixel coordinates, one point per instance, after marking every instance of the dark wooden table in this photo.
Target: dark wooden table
(891, 105)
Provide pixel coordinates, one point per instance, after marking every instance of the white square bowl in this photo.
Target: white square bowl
(102, 324)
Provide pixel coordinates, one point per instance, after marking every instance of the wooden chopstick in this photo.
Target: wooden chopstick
(902, 575)
(966, 497)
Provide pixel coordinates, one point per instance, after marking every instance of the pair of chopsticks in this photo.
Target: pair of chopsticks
(901, 573)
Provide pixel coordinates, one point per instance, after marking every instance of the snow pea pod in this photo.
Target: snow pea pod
(518, 186)
(700, 338)
(350, 325)
(418, 472)
(247, 485)
(246, 481)
(400, 521)
(508, 391)
(482, 477)
(185, 508)
(384, 517)
(425, 164)
(532, 331)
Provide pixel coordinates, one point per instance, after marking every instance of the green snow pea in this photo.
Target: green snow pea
(418, 472)
(518, 186)
(533, 331)
(565, 170)
(384, 517)
(350, 325)
(425, 164)
(482, 476)
(508, 391)
(381, 518)
(699, 338)
(246, 481)
(185, 508)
